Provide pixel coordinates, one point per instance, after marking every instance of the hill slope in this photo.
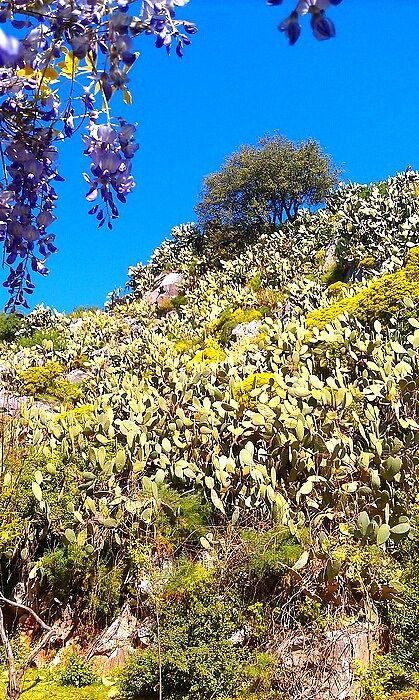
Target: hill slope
(269, 387)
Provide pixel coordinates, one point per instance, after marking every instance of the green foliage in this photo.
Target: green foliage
(72, 575)
(256, 282)
(9, 326)
(76, 672)
(305, 439)
(260, 187)
(403, 617)
(379, 300)
(59, 342)
(270, 554)
(210, 353)
(183, 517)
(42, 684)
(335, 274)
(245, 392)
(65, 569)
(383, 677)
(230, 318)
(39, 380)
(197, 658)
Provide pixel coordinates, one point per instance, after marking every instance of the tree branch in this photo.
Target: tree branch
(31, 612)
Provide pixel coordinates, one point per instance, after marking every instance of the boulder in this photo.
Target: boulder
(322, 667)
(166, 287)
(112, 648)
(246, 331)
(76, 376)
(11, 404)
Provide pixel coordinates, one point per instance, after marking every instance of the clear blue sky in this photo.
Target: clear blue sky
(357, 95)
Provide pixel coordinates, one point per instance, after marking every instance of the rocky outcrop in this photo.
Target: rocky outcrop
(166, 288)
(112, 648)
(322, 667)
(246, 331)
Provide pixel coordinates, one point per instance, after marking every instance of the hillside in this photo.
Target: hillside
(226, 459)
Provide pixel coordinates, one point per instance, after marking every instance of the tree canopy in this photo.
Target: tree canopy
(260, 187)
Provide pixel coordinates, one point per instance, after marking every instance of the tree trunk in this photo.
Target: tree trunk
(14, 689)
(13, 686)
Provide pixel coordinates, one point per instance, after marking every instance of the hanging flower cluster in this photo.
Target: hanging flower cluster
(321, 25)
(61, 62)
(111, 152)
(58, 77)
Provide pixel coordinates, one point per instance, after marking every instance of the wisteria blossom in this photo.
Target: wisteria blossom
(321, 25)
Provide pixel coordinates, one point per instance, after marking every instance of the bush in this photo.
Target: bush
(192, 673)
(77, 672)
(230, 318)
(198, 660)
(270, 553)
(384, 676)
(404, 619)
(380, 299)
(9, 325)
(37, 381)
(59, 342)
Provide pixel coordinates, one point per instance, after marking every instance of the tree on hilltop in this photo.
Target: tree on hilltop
(260, 187)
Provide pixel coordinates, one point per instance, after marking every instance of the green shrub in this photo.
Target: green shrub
(192, 673)
(65, 569)
(38, 380)
(404, 618)
(380, 299)
(77, 672)
(197, 657)
(383, 677)
(230, 318)
(182, 516)
(9, 325)
(270, 553)
(59, 342)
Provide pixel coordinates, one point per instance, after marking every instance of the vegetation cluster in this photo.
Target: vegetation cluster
(227, 487)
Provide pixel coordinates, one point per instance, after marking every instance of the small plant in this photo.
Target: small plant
(9, 326)
(77, 672)
(37, 381)
(38, 337)
(383, 677)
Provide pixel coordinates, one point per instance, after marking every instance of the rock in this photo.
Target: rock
(166, 288)
(237, 638)
(330, 260)
(113, 646)
(76, 376)
(322, 666)
(11, 404)
(247, 330)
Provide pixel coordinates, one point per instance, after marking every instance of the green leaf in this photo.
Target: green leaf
(70, 536)
(301, 561)
(363, 521)
(400, 529)
(37, 491)
(383, 533)
(109, 523)
(217, 501)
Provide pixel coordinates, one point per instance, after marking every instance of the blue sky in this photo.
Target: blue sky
(357, 95)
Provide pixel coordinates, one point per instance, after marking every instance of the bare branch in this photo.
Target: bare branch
(31, 612)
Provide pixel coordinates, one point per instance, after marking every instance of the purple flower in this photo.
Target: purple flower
(323, 27)
(291, 28)
(10, 50)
